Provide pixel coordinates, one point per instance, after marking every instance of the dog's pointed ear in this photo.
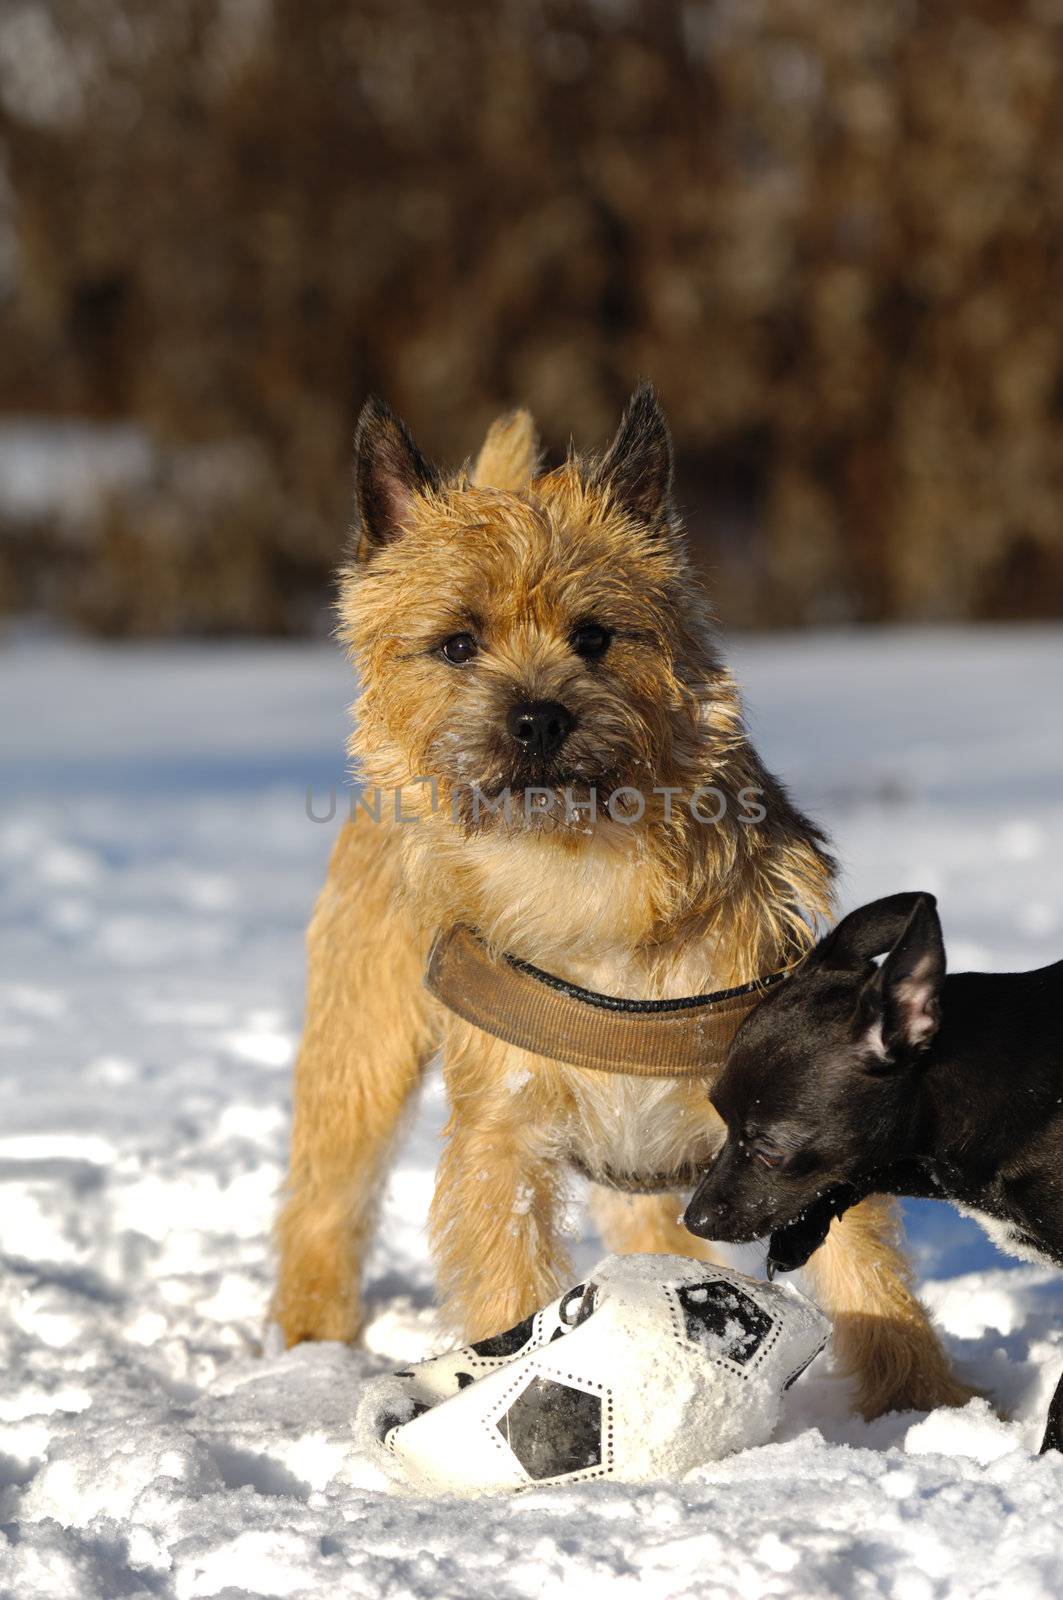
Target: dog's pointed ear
(637, 471)
(869, 931)
(389, 471)
(509, 455)
(899, 1008)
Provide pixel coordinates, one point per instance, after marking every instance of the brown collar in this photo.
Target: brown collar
(536, 1011)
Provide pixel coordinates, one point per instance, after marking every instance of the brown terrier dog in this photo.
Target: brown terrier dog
(523, 635)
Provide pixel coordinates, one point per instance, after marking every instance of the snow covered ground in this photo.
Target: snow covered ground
(157, 867)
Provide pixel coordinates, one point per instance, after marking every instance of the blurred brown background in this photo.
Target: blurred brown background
(830, 233)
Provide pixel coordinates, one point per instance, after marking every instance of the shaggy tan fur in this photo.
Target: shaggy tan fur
(656, 907)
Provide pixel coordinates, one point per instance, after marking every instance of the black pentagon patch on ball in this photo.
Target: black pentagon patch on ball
(553, 1429)
(723, 1317)
(508, 1343)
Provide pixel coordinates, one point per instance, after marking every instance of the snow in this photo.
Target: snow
(157, 867)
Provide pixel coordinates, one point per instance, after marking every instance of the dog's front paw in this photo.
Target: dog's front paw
(918, 1392)
(308, 1312)
(301, 1329)
(898, 1365)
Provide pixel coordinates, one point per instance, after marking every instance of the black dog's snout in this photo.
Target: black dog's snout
(540, 726)
(701, 1219)
(708, 1214)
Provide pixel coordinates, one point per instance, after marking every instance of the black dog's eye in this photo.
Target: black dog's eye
(590, 640)
(765, 1152)
(459, 648)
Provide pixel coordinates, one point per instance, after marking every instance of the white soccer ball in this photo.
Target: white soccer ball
(653, 1366)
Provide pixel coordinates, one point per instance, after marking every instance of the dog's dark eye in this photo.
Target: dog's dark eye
(590, 640)
(765, 1152)
(459, 648)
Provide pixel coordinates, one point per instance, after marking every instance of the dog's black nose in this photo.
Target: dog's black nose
(540, 726)
(698, 1219)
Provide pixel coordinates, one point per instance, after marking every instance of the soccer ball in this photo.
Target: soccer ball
(653, 1366)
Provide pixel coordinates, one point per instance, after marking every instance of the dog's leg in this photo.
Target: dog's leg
(365, 1038)
(499, 1192)
(1053, 1439)
(645, 1224)
(882, 1334)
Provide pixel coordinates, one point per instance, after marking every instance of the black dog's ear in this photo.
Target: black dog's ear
(868, 932)
(638, 468)
(899, 1008)
(388, 471)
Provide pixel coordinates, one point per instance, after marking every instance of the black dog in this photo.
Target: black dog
(853, 1079)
